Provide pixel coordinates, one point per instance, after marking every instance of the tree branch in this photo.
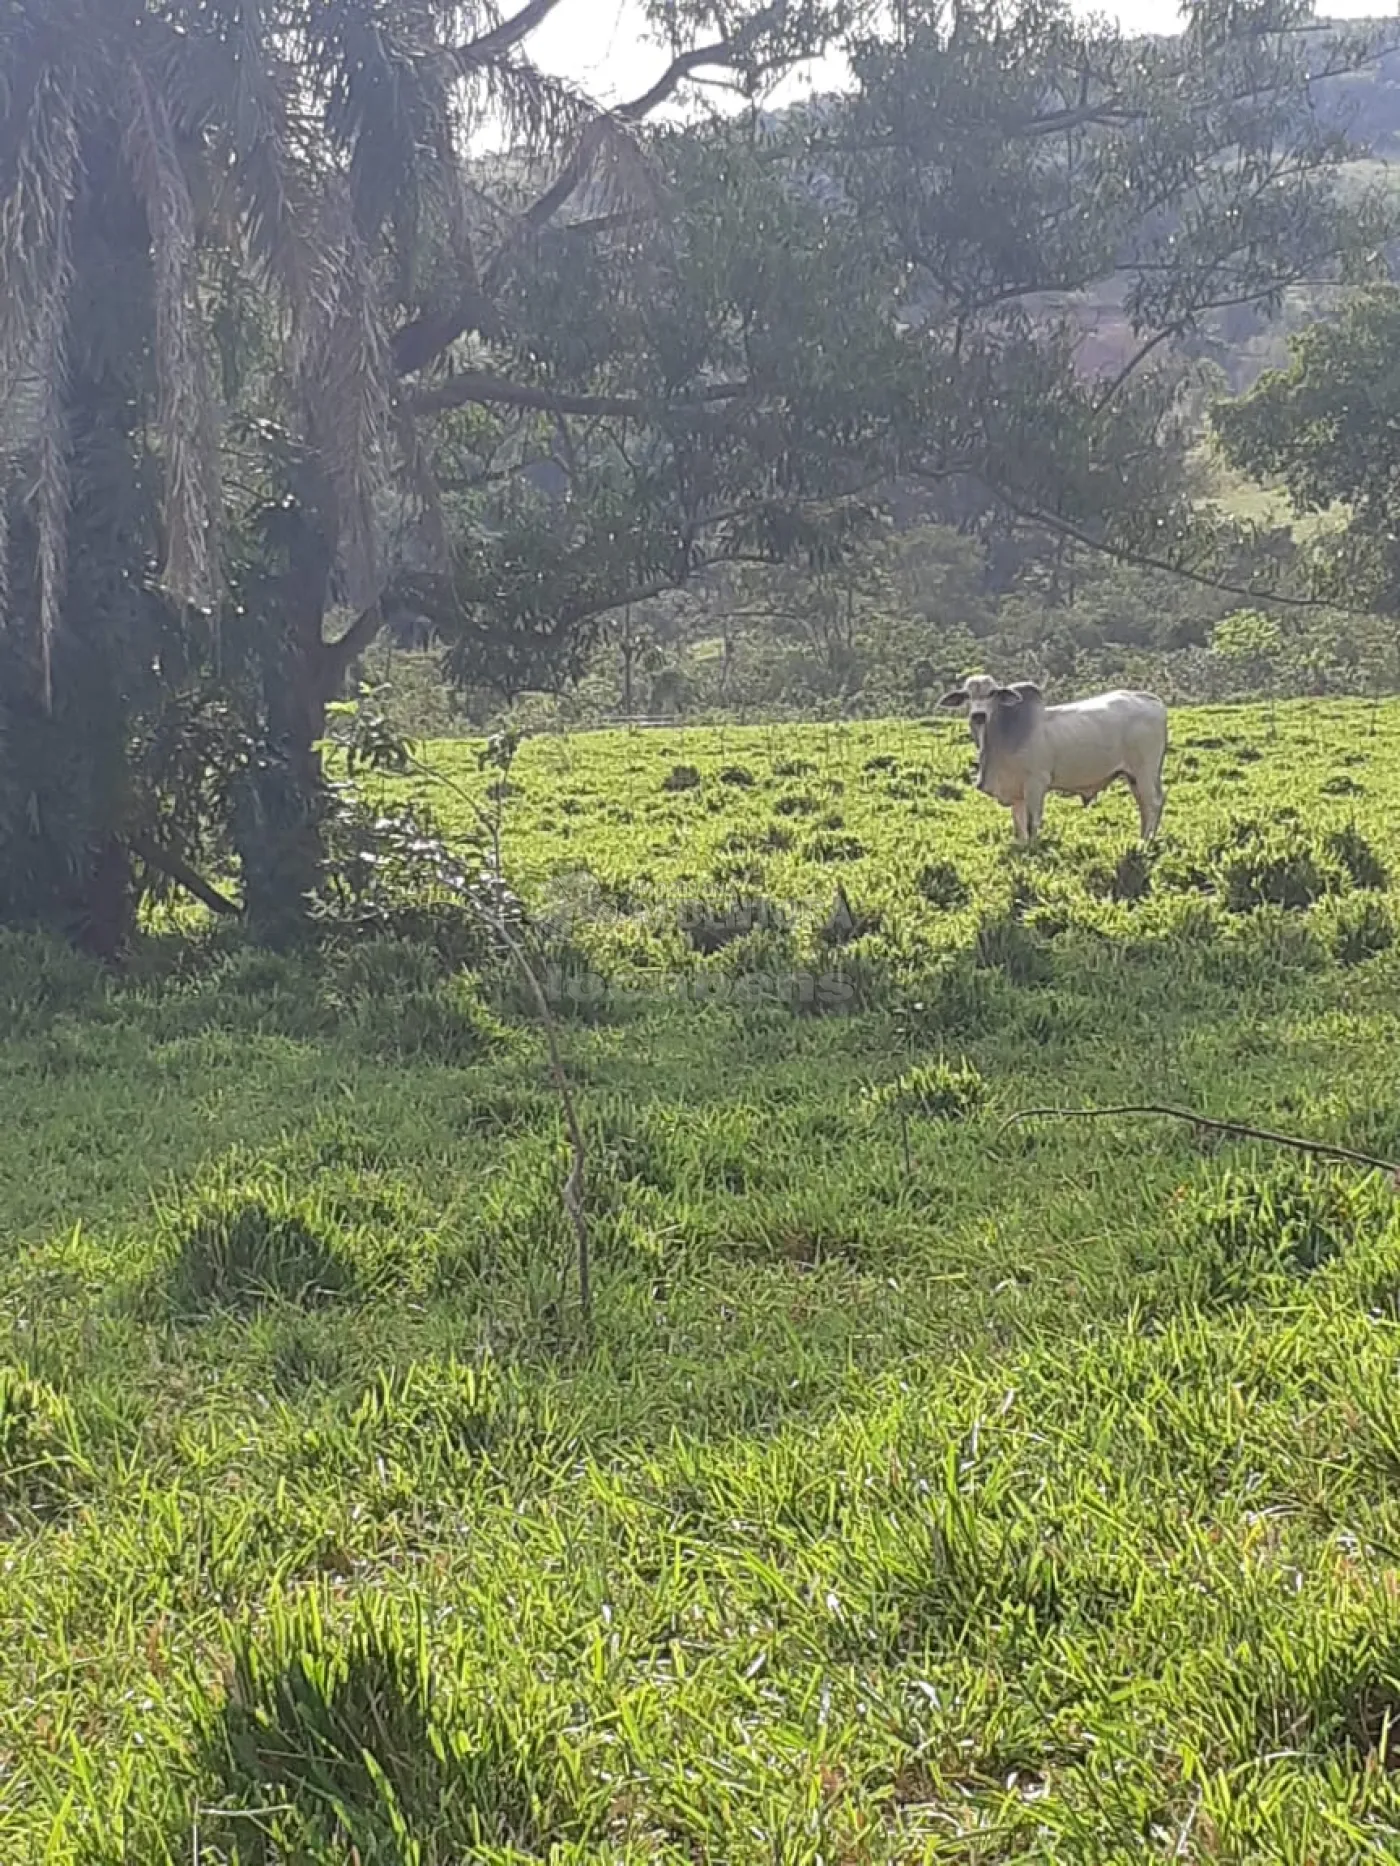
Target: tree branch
(361, 632)
(503, 38)
(479, 386)
(1239, 1128)
(176, 869)
(719, 52)
(421, 341)
(636, 111)
(1143, 560)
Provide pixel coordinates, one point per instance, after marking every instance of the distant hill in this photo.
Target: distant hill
(1243, 343)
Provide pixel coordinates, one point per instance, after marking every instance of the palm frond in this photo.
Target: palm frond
(538, 114)
(615, 167)
(41, 282)
(188, 426)
(344, 387)
(228, 79)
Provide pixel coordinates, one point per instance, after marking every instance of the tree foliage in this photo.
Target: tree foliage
(1327, 429)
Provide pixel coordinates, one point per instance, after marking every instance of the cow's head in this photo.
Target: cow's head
(979, 693)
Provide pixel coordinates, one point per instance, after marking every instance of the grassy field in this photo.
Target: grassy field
(923, 1491)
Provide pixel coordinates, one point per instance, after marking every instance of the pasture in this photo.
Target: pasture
(923, 1490)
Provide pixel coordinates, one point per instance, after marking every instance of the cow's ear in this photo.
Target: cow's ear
(956, 698)
(1008, 696)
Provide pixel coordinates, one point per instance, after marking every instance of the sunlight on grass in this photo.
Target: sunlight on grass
(925, 1490)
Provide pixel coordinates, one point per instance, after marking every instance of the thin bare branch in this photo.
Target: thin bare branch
(1144, 560)
(1242, 1129)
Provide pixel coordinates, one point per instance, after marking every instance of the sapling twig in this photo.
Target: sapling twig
(574, 1187)
(1240, 1128)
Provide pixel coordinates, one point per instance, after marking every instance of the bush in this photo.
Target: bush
(942, 886)
(710, 925)
(1274, 865)
(940, 1091)
(830, 847)
(394, 873)
(242, 1244)
(681, 777)
(1359, 930)
(1349, 848)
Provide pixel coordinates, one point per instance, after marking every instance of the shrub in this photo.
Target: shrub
(243, 1243)
(940, 1091)
(796, 803)
(1275, 865)
(846, 923)
(394, 873)
(942, 886)
(829, 847)
(1349, 848)
(710, 924)
(1359, 930)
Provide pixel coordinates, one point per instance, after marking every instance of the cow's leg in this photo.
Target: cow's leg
(1150, 799)
(1019, 820)
(1035, 808)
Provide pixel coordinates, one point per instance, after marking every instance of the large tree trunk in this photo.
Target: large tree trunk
(281, 805)
(280, 802)
(105, 909)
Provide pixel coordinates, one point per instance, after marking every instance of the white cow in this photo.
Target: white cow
(1027, 749)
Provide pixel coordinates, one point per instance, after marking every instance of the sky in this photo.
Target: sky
(602, 44)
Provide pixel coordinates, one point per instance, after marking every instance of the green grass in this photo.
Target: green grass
(924, 1491)
(1239, 497)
